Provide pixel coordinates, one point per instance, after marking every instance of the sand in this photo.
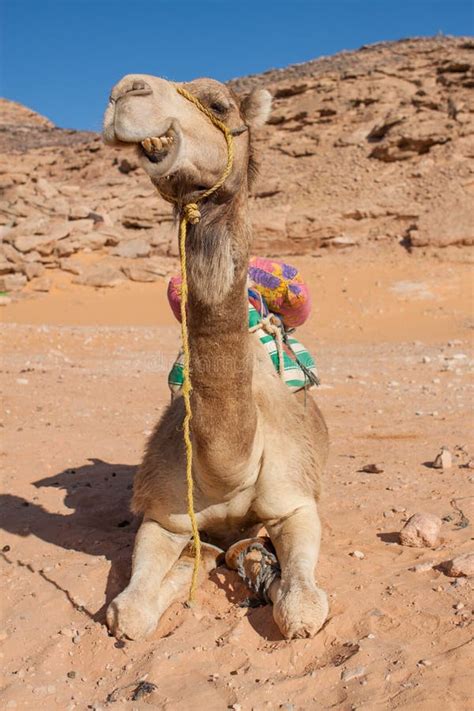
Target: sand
(84, 380)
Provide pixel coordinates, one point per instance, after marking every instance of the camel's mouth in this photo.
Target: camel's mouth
(157, 148)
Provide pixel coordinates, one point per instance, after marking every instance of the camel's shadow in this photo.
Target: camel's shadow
(101, 524)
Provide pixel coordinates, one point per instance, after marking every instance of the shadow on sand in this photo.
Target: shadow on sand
(101, 524)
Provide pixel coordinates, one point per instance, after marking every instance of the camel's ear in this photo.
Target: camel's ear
(256, 107)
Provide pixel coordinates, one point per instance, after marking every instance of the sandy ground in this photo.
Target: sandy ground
(84, 379)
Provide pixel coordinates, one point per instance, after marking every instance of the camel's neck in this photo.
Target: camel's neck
(224, 415)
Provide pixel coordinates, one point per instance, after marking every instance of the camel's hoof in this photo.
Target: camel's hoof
(127, 617)
(301, 612)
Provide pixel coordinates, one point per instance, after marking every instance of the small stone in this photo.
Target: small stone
(71, 675)
(42, 284)
(358, 554)
(443, 460)
(423, 567)
(76, 639)
(426, 359)
(421, 530)
(355, 673)
(461, 566)
(459, 606)
(22, 381)
(6, 549)
(388, 514)
(425, 663)
(67, 632)
(371, 469)
(287, 707)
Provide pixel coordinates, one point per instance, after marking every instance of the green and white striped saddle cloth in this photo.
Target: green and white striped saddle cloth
(298, 370)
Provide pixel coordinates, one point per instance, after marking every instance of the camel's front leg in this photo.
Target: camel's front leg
(136, 611)
(299, 606)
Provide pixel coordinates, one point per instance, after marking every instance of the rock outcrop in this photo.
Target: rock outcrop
(362, 147)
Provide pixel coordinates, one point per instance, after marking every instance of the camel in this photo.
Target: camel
(258, 449)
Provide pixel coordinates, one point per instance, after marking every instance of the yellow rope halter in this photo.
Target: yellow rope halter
(189, 213)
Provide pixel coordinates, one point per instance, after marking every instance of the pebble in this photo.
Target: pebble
(421, 530)
(423, 567)
(22, 381)
(71, 675)
(388, 514)
(459, 606)
(358, 554)
(66, 631)
(76, 639)
(425, 663)
(355, 673)
(371, 469)
(443, 460)
(426, 359)
(287, 707)
(461, 566)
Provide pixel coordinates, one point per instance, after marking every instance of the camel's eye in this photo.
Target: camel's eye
(219, 108)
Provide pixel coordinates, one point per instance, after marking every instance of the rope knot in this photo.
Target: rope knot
(191, 213)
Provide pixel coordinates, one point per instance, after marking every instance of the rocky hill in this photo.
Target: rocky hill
(363, 147)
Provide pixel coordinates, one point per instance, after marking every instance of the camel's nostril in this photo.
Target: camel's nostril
(137, 88)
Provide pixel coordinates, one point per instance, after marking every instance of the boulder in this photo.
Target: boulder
(132, 248)
(100, 276)
(421, 531)
(462, 565)
(12, 282)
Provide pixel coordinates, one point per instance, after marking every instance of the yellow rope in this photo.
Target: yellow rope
(189, 213)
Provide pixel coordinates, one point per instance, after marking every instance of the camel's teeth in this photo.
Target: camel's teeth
(147, 145)
(157, 144)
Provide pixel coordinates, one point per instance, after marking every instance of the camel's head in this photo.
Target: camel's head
(177, 144)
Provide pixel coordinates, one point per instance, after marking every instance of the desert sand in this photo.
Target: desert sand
(83, 372)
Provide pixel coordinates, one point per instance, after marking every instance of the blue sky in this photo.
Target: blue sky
(61, 57)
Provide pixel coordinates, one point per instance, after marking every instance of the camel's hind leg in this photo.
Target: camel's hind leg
(299, 606)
